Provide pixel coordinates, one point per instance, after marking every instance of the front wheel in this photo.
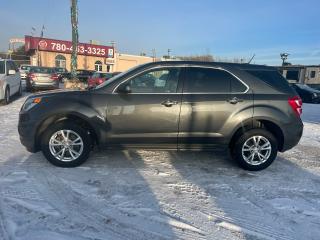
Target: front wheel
(20, 90)
(255, 149)
(65, 144)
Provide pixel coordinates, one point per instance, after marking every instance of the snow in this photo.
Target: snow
(158, 194)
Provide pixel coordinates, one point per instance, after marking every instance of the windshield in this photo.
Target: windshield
(2, 69)
(116, 77)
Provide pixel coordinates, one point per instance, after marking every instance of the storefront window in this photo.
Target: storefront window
(98, 66)
(60, 61)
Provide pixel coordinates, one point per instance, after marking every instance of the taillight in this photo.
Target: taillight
(54, 77)
(296, 104)
(31, 76)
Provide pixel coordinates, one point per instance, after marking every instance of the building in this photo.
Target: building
(307, 74)
(57, 53)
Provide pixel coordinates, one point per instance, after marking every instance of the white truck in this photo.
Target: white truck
(10, 80)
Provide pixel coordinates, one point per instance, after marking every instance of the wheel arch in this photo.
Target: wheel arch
(267, 124)
(76, 118)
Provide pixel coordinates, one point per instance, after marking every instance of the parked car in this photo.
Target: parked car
(98, 78)
(61, 73)
(10, 81)
(249, 109)
(24, 70)
(82, 75)
(42, 78)
(307, 94)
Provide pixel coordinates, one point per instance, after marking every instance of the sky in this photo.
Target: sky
(226, 29)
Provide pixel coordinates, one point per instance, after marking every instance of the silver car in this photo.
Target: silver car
(42, 78)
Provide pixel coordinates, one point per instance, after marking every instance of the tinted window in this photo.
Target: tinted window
(272, 78)
(292, 75)
(203, 80)
(156, 81)
(2, 68)
(41, 70)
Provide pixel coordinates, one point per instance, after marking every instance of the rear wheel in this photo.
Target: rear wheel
(66, 144)
(7, 96)
(255, 149)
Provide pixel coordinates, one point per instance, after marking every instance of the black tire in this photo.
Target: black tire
(6, 96)
(20, 90)
(236, 150)
(66, 125)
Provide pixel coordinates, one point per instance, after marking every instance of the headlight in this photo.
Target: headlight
(30, 103)
(315, 95)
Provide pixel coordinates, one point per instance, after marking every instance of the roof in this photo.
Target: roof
(242, 66)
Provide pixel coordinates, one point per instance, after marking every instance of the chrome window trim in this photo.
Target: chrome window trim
(186, 66)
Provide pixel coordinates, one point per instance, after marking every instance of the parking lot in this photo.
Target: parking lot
(158, 194)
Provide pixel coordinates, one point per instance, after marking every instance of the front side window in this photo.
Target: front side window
(209, 80)
(156, 81)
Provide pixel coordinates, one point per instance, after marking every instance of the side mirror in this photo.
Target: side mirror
(12, 72)
(124, 88)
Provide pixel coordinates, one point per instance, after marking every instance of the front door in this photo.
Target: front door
(148, 114)
(210, 97)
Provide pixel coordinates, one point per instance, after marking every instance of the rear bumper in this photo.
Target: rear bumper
(43, 85)
(292, 135)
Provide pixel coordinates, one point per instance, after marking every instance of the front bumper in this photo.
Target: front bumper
(27, 132)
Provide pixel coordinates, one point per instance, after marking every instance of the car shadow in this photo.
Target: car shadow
(107, 197)
(281, 202)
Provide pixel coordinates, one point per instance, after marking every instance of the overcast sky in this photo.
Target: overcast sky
(227, 29)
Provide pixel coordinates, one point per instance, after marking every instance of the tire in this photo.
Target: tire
(75, 131)
(6, 96)
(255, 157)
(19, 93)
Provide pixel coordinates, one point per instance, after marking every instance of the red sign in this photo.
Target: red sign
(52, 45)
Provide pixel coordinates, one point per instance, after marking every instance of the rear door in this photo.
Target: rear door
(211, 97)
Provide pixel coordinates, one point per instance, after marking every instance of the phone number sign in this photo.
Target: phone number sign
(52, 45)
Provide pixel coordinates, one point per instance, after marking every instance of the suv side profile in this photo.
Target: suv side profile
(177, 105)
(10, 81)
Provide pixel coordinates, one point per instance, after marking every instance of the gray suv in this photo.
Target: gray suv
(249, 109)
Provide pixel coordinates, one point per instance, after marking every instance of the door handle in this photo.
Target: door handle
(169, 103)
(234, 100)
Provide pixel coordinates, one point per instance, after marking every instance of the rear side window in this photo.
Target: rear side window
(272, 78)
(209, 80)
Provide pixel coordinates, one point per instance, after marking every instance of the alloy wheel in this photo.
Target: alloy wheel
(66, 145)
(256, 150)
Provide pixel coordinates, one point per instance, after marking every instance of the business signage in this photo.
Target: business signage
(53, 45)
(16, 40)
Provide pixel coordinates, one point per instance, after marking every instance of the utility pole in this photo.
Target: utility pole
(154, 54)
(75, 37)
(169, 51)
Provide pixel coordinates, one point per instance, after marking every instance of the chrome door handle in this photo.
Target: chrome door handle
(234, 100)
(169, 103)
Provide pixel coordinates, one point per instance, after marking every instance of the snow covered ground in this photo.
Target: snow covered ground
(158, 194)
